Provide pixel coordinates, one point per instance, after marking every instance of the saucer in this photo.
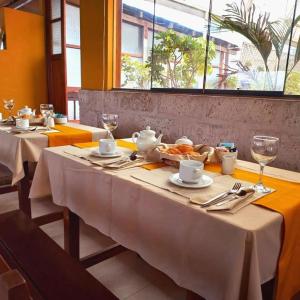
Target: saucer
(117, 153)
(202, 183)
(23, 129)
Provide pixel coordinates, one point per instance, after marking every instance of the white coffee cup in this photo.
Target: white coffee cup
(228, 163)
(107, 146)
(190, 171)
(50, 122)
(22, 123)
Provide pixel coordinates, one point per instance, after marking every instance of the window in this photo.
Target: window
(134, 34)
(253, 57)
(179, 51)
(136, 43)
(73, 46)
(73, 60)
(242, 45)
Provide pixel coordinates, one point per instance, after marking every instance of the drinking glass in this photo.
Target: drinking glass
(264, 150)
(47, 111)
(9, 105)
(110, 123)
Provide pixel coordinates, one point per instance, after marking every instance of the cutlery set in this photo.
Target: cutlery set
(235, 193)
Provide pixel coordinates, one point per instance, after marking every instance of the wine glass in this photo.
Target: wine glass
(264, 150)
(110, 123)
(47, 111)
(9, 105)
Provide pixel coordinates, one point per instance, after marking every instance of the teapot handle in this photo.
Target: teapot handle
(135, 136)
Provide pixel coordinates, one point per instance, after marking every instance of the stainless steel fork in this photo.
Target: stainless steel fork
(221, 197)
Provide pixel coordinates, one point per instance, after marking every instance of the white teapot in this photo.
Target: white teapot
(25, 111)
(146, 140)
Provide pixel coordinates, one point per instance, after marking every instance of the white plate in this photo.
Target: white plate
(63, 120)
(98, 154)
(202, 183)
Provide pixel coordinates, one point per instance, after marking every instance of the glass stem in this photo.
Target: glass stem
(261, 173)
(110, 135)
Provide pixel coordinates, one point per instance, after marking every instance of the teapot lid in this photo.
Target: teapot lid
(26, 108)
(148, 131)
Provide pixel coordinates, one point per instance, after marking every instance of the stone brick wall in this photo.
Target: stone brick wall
(203, 118)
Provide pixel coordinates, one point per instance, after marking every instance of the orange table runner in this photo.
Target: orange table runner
(68, 136)
(120, 143)
(286, 201)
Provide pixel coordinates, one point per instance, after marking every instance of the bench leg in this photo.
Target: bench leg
(23, 192)
(71, 233)
(192, 296)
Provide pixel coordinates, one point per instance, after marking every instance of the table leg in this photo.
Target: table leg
(23, 191)
(71, 233)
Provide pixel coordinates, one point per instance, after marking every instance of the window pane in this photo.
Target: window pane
(56, 38)
(255, 60)
(134, 34)
(292, 86)
(180, 44)
(71, 112)
(73, 67)
(55, 9)
(136, 43)
(72, 25)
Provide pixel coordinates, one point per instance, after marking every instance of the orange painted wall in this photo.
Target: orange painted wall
(23, 63)
(97, 30)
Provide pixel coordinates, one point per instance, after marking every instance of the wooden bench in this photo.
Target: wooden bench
(12, 284)
(23, 187)
(5, 181)
(48, 270)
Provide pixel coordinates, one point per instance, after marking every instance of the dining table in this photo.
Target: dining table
(217, 255)
(19, 148)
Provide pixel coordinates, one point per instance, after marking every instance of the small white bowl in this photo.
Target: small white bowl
(63, 120)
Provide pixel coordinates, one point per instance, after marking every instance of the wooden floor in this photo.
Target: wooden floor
(126, 275)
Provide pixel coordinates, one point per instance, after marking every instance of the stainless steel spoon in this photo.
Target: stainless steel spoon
(241, 193)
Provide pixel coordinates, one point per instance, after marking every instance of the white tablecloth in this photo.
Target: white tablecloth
(17, 148)
(217, 255)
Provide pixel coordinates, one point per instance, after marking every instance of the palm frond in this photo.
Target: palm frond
(297, 54)
(245, 22)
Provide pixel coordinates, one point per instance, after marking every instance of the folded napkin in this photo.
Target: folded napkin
(47, 130)
(235, 203)
(5, 128)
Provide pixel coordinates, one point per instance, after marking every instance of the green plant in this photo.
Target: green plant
(292, 86)
(177, 60)
(231, 82)
(262, 33)
(245, 22)
(135, 73)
